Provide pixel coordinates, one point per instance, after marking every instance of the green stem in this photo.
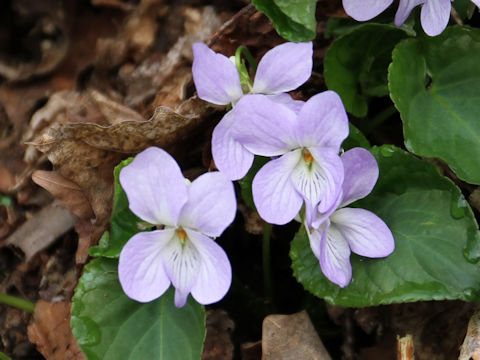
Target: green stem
(17, 302)
(267, 273)
(243, 50)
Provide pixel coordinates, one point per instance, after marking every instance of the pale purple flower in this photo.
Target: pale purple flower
(336, 233)
(282, 69)
(434, 15)
(182, 251)
(307, 144)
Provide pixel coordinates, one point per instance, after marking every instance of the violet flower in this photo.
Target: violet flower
(307, 144)
(182, 252)
(334, 234)
(282, 69)
(434, 15)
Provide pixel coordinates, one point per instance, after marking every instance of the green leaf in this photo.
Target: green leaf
(435, 84)
(293, 20)
(110, 326)
(123, 223)
(4, 356)
(464, 8)
(356, 64)
(355, 139)
(436, 241)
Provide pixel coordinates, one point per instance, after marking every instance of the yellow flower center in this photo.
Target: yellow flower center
(182, 235)
(307, 156)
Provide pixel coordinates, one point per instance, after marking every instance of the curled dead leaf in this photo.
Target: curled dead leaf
(51, 332)
(86, 153)
(65, 191)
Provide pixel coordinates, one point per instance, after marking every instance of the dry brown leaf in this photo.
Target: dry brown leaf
(218, 344)
(51, 332)
(67, 193)
(471, 345)
(158, 71)
(85, 231)
(41, 230)
(291, 337)
(87, 153)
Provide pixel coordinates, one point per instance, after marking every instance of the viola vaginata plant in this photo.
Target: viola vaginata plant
(181, 252)
(375, 224)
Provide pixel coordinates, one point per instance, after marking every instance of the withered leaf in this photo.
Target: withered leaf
(51, 332)
(291, 337)
(471, 344)
(67, 193)
(41, 230)
(86, 153)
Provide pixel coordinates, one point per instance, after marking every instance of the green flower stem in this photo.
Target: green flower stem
(17, 302)
(267, 273)
(242, 50)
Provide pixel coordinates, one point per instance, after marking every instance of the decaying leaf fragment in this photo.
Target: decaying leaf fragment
(471, 344)
(67, 193)
(41, 230)
(86, 153)
(291, 337)
(51, 332)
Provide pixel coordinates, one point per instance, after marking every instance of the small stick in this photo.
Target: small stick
(249, 9)
(456, 17)
(405, 349)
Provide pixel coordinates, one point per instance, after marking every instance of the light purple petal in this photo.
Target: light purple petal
(318, 218)
(215, 76)
(321, 180)
(315, 238)
(435, 15)
(230, 157)
(140, 267)
(274, 194)
(215, 274)
(263, 126)
(182, 264)
(362, 10)
(361, 174)
(284, 68)
(476, 2)
(335, 256)
(155, 187)
(323, 121)
(330, 176)
(404, 9)
(211, 204)
(288, 101)
(365, 232)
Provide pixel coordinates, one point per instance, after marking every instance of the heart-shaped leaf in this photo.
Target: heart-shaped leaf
(435, 84)
(436, 241)
(110, 326)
